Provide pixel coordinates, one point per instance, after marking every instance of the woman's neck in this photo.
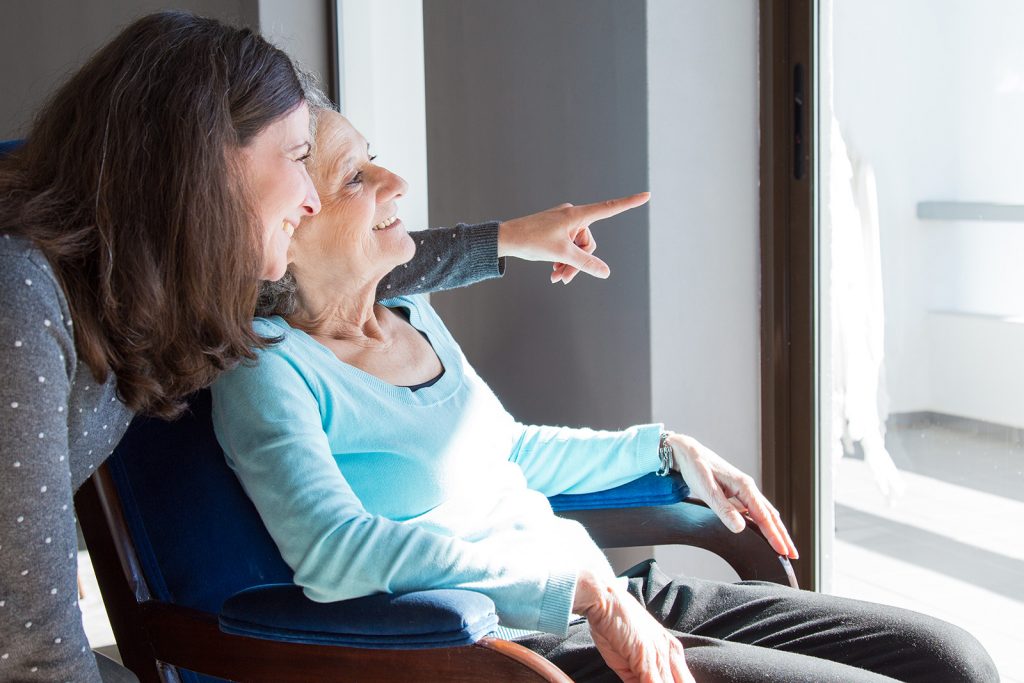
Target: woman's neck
(337, 308)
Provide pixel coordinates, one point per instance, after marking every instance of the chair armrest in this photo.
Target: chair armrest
(648, 490)
(687, 523)
(411, 621)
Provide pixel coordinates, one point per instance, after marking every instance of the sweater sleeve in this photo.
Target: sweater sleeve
(566, 460)
(268, 420)
(446, 258)
(41, 633)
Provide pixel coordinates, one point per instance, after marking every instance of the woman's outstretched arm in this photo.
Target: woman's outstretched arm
(579, 460)
(446, 258)
(455, 257)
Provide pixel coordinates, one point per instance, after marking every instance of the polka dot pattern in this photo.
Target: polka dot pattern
(47, 400)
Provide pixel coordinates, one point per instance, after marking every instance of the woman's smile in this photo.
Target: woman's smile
(387, 223)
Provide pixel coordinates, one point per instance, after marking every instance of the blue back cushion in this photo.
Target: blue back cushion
(199, 537)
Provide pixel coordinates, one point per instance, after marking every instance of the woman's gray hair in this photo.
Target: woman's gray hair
(316, 98)
(281, 297)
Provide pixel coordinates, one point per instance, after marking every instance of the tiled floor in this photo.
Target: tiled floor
(952, 545)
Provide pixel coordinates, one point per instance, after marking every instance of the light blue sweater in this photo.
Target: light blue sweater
(367, 487)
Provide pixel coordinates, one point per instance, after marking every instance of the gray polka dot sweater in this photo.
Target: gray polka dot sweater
(57, 425)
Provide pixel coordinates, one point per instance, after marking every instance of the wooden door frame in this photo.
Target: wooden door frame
(788, 279)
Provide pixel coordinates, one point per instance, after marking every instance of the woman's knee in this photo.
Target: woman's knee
(951, 653)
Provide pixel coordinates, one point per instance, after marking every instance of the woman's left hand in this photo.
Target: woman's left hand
(730, 493)
(562, 235)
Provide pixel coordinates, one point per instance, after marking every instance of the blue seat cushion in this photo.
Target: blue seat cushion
(646, 491)
(410, 621)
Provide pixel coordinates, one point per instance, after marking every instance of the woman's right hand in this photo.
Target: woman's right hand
(562, 235)
(633, 644)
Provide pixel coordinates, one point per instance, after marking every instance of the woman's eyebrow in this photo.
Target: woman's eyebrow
(344, 163)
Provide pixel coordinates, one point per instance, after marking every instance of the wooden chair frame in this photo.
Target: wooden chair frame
(155, 638)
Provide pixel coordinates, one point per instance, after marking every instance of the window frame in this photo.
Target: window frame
(789, 311)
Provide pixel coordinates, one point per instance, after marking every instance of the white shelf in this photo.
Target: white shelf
(970, 211)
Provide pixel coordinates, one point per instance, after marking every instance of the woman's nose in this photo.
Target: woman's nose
(311, 202)
(393, 187)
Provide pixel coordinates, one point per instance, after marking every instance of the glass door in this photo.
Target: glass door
(920, 213)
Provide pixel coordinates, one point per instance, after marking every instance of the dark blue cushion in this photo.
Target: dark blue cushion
(648, 490)
(423, 619)
(8, 146)
(199, 537)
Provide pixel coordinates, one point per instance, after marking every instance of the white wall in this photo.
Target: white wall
(703, 127)
(931, 93)
(978, 367)
(383, 90)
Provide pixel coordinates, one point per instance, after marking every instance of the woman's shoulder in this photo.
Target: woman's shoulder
(284, 355)
(283, 339)
(28, 285)
(279, 367)
(21, 259)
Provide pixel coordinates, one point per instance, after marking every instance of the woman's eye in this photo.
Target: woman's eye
(304, 158)
(372, 157)
(356, 179)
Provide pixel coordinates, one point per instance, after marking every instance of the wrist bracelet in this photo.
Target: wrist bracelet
(665, 455)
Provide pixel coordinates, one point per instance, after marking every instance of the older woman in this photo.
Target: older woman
(381, 462)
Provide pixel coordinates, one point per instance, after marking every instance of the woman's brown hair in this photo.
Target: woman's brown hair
(130, 184)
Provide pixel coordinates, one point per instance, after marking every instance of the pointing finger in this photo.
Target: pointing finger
(612, 207)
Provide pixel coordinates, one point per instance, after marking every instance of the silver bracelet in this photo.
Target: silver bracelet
(665, 454)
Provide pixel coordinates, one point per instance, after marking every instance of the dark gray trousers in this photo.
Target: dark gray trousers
(757, 631)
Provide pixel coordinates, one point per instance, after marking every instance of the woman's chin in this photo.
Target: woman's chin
(399, 239)
(275, 270)
(394, 244)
